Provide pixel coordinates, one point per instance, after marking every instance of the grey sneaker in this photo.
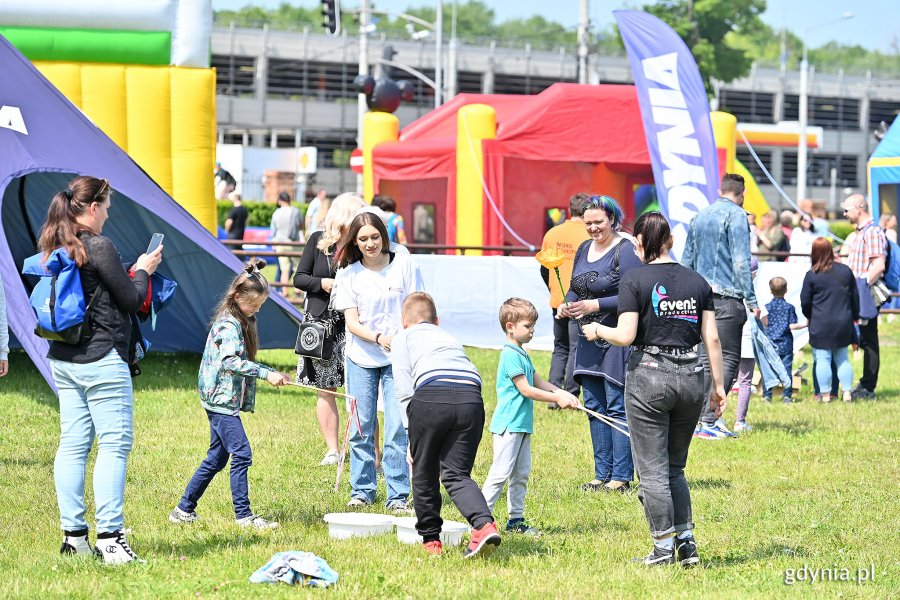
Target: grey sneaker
(331, 458)
(182, 516)
(861, 393)
(257, 522)
(401, 507)
(658, 556)
(356, 502)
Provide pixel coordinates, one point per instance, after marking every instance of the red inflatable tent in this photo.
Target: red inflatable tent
(570, 138)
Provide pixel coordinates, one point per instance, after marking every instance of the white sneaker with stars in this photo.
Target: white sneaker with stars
(115, 549)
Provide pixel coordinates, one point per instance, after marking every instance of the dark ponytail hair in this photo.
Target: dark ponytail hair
(655, 235)
(248, 285)
(60, 229)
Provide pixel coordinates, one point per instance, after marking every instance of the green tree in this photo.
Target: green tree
(536, 30)
(705, 25)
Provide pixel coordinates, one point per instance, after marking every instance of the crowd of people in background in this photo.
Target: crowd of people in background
(653, 346)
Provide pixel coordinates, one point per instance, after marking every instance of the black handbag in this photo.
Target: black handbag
(315, 338)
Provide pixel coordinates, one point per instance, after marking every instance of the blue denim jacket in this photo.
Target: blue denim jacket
(718, 247)
(770, 366)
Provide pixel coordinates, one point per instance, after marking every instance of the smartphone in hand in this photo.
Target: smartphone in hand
(155, 242)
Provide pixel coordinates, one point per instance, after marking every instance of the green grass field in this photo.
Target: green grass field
(812, 486)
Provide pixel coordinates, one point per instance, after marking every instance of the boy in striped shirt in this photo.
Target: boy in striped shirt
(439, 390)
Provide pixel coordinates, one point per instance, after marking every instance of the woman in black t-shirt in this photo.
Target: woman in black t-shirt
(665, 311)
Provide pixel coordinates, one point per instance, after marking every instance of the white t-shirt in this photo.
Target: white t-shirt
(378, 297)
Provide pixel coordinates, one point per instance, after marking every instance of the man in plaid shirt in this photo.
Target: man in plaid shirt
(867, 261)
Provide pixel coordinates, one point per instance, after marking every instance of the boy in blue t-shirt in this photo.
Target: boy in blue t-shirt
(513, 423)
(782, 318)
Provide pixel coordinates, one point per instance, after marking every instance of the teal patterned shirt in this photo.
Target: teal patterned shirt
(227, 380)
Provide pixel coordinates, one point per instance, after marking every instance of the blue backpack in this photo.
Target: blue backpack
(58, 298)
(892, 266)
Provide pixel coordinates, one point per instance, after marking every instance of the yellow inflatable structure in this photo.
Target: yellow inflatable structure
(164, 117)
(377, 127)
(725, 133)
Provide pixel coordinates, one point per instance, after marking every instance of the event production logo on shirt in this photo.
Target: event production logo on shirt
(11, 118)
(666, 308)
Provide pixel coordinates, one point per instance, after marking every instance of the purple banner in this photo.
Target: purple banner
(675, 111)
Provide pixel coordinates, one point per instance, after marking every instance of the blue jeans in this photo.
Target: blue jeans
(788, 361)
(834, 377)
(362, 384)
(226, 438)
(612, 450)
(823, 368)
(95, 399)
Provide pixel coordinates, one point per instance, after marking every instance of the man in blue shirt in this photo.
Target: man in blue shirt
(718, 248)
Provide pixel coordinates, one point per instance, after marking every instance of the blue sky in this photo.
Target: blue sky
(873, 26)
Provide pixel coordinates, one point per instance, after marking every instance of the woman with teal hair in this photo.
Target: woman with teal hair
(593, 297)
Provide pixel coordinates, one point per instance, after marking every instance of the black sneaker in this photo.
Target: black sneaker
(659, 556)
(686, 550)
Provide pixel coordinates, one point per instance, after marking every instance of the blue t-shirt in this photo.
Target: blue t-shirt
(515, 412)
(781, 316)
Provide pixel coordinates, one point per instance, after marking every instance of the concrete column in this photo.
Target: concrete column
(487, 79)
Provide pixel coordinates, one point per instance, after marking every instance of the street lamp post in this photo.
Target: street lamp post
(803, 116)
(361, 107)
(438, 55)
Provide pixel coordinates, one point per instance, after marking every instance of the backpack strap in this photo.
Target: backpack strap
(618, 251)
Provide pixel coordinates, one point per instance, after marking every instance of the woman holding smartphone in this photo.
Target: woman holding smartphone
(96, 398)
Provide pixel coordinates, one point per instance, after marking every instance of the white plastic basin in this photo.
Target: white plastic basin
(346, 525)
(451, 531)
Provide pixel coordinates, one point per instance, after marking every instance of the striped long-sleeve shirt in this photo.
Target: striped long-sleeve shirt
(425, 354)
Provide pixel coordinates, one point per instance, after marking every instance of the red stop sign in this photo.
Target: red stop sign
(356, 160)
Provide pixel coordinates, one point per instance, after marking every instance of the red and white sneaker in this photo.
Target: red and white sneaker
(434, 548)
(484, 541)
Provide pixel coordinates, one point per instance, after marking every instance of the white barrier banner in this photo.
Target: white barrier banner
(468, 292)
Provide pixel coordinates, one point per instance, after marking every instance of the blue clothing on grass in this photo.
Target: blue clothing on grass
(771, 368)
(515, 412)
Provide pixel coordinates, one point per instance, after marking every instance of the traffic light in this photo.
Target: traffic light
(331, 16)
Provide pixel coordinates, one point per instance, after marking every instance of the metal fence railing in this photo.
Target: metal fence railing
(238, 250)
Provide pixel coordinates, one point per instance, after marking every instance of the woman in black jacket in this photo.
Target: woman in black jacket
(830, 302)
(315, 276)
(96, 397)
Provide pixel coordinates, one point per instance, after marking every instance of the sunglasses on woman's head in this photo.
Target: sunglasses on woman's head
(598, 201)
(103, 187)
